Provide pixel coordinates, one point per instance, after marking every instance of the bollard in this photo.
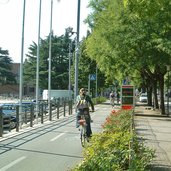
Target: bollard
(58, 104)
(25, 116)
(17, 118)
(31, 115)
(50, 114)
(64, 107)
(42, 106)
(1, 122)
(69, 105)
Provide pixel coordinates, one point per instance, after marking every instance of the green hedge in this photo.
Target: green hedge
(117, 148)
(98, 100)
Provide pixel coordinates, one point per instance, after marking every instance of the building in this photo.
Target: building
(12, 90)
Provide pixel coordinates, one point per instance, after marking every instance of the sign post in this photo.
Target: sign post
(92, 77)
(127, 97)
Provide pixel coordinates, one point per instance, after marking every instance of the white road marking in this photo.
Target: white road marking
(53, 139)
(12, 163)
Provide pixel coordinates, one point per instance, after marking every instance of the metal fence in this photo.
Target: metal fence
(27, 116)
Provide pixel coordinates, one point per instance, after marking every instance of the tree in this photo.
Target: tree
(6, 76)
(128, 37)
(86, 67)
(59, 62)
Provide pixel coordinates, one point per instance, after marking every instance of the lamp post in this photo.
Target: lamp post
(77, 52)
(168, 94)
(21, 64)
(37, 67)
(69, 84)
(70, 33)
(50, 55)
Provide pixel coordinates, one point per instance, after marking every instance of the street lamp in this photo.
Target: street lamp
(77, 52)
(168, 94)
(50, 55)
(70, 56)
(21, 64)
(70, 33)
(37, 67)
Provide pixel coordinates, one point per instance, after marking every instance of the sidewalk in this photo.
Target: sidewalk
(155, 130)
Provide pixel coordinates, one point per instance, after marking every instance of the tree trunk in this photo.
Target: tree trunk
(161, 84)
(149, 95)
(156, 104)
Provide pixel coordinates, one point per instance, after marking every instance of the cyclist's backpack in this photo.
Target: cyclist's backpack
(83, 104)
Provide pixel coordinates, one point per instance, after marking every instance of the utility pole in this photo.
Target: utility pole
(50, 56)
(37, 67)
(21, 63)
(77, 51)
(69, 85)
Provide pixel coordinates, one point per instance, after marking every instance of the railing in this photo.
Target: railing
(29, 116)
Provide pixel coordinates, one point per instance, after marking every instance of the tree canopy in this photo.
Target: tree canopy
(131, 38)
(6, 76)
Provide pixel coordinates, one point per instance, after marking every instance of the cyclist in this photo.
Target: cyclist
(82, 105)
(112, 98)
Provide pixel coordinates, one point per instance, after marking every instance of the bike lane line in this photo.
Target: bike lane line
(12, 163)
(55, 138)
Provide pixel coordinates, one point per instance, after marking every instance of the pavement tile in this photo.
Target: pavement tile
(155, 131)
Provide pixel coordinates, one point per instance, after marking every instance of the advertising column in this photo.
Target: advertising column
(127, 97)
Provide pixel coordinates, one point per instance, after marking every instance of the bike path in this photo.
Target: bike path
(50, 146)
(154, 128)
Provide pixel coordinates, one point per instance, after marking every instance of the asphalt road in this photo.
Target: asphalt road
(53, 146)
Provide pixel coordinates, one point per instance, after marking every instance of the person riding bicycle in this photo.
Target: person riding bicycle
(112, 98)
(82, 104)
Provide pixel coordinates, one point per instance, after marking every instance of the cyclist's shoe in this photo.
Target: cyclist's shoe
(89, 138)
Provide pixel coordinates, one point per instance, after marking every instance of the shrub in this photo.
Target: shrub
(117, 148)
(98, 100)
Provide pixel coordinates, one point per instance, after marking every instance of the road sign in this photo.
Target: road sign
(93, 77)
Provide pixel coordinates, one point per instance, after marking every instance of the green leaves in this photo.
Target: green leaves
(116, 148)
(6, 75)
(59, 62)
(127, 31)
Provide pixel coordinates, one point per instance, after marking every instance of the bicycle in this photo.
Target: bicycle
(112, 101)
(83, 128)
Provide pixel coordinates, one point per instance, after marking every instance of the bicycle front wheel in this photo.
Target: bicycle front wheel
(83, 137)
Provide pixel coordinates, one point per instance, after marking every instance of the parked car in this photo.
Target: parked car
(9, 121)
(143, 97)
(8, 108)
(9, 115)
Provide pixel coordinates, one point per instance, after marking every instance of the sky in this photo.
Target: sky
(11, 17)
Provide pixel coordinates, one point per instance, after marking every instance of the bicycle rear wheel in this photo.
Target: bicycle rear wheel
(83, 136)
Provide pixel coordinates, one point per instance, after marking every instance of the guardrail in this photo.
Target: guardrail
(29, 116)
